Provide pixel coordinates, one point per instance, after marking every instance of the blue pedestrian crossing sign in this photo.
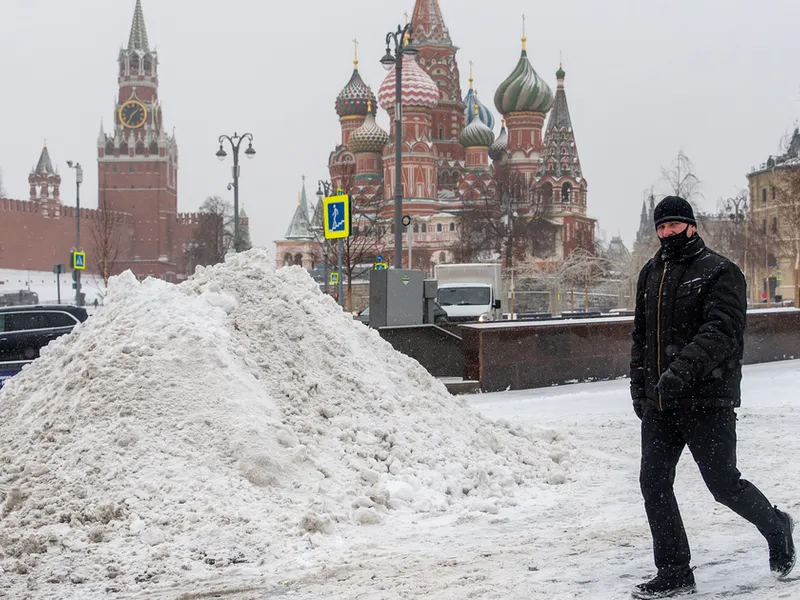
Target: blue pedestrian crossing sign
(336, 213)
(79, 261)
(334, 279)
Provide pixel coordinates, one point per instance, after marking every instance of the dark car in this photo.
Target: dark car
(24, 330)
(439, 315)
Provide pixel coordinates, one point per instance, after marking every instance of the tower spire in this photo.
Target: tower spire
(138, 37)
(471, 78)
(355, 54)
(428, 23)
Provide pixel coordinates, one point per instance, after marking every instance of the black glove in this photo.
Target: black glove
(638, 407)
(670, 385)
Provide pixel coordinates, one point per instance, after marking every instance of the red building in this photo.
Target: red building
(137, 163)
(451, 154)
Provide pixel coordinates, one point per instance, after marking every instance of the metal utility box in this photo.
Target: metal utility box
(395, 297)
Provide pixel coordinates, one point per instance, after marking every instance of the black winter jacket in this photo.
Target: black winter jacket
(690, 317)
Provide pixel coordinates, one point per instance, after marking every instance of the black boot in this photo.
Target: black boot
(782, 556)
(667, 584)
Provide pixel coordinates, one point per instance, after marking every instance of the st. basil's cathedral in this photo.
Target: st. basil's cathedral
(451, 156)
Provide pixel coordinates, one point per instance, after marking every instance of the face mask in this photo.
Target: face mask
(673, 244)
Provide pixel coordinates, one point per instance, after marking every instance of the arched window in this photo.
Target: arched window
(109, 147)
(566, 192)
(452, 226)
(438, 228)
(416, 227)
(442, 257)
(547, 192)
(123, 148)
(441, 132)
(140, 148)
(287, 260)
(148, 64)
(134, 63)
(153, 148)
(298, 259)
(424, 228)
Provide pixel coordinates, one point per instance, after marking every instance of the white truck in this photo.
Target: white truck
(469, 292)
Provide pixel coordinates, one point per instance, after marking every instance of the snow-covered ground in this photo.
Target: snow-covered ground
(45, 285)
(585, 539)
(238, 437)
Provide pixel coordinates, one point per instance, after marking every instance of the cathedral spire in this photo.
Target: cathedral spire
(560, 150)
(138, 37)
(429, 24)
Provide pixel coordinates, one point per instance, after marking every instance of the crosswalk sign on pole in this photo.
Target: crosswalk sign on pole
(79, 261)
(336, 213)
(334, 278)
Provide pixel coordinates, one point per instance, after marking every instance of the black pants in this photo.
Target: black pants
(710, 435)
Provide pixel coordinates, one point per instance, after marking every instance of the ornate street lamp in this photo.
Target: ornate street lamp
(236, 142)
(401, 40)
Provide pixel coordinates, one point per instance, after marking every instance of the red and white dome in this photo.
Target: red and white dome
(418, 87)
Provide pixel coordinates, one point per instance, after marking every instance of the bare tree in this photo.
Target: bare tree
(511, 219)
(726, 229)
(106, 229)
(581, 268)
(213, 237)
(681, 179)
(369, 225)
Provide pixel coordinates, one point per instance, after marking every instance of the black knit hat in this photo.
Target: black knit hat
(673, 208)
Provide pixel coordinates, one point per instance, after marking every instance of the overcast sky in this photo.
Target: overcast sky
(718, 79)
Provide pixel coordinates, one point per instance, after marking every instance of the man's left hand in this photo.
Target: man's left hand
(670, 385)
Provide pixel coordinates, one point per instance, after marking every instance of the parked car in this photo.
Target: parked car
(25, 330)
(439, 315)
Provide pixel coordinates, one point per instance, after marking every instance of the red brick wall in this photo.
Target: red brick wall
(31, 240)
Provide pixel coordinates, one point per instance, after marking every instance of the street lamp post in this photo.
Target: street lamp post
(401, 40)
(236, 142)
(78, 181)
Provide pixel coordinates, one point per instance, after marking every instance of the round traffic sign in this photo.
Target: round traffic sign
(379, 258)
(406, 220)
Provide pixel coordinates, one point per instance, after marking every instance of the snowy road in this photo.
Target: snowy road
(587, 538)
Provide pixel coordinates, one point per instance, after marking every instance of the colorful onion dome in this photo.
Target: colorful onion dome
(369, 137)
(524, 90)
(484, 114)
(476, 133)
(419, 89)
(560, 74)
(353, 99)
(500, 145)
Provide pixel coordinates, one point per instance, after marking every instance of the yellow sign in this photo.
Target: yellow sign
(336, 213)
(381, 266)
(334, 278)
(79, 261)
(778, 276)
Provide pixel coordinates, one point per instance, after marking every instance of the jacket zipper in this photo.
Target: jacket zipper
(658, 328)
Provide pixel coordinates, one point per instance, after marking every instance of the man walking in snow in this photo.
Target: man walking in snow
(686, 370)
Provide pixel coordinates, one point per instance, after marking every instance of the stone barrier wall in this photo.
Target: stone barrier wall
(522, 355)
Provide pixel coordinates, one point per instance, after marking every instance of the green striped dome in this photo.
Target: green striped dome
(476, 134)
(523, 91)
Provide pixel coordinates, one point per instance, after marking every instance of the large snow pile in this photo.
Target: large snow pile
(239, 417)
